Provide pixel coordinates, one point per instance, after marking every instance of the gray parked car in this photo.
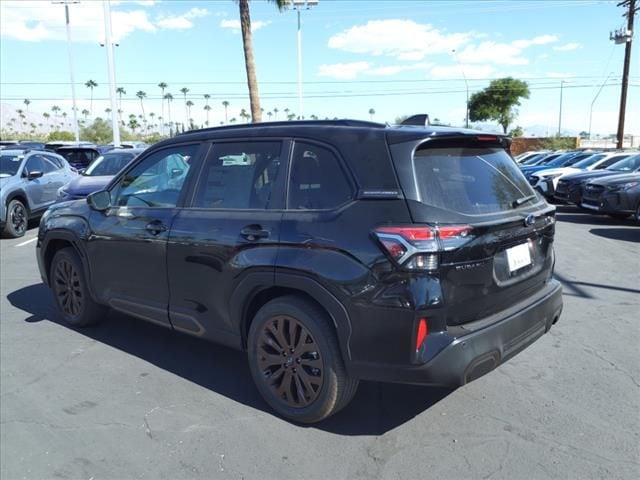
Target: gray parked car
(29, 183)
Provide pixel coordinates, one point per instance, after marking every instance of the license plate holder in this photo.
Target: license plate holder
(518, 257)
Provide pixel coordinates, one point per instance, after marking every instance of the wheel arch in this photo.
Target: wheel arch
(19, 195)
(244, 306)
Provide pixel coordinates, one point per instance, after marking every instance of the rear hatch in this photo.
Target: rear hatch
(505, 251)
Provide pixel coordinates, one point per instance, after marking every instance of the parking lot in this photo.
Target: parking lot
(127, 399)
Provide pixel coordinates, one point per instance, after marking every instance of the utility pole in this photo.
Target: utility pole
(560, 112)
(624, 36)
(70, 52)
(298, 5)
(112, 75)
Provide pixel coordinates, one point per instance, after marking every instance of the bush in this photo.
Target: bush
(61, 135)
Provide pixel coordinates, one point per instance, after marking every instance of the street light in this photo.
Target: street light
(298, 5)
(560, 112)
(594, 101)
(467, 86)
(66, 4)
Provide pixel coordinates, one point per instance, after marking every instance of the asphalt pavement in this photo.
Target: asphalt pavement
(128, 400)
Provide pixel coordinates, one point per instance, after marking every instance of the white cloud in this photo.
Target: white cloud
(567, 47)
(403, 39)
(502, 53)
(456, 71)
(234, 25)
(343, 71)
(540, 40)
(35, 21)
(182, 22)
(395, 69)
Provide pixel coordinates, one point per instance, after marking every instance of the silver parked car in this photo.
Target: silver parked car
(29, 183)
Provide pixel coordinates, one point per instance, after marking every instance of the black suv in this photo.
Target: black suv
(330, 251)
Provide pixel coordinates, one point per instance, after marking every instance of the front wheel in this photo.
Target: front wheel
(619, 216)
(295, 361)
(17, 219)
(70, 290)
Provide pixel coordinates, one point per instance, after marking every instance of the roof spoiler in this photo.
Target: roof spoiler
(420, 120)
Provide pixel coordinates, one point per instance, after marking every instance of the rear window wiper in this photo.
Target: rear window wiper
(516, 203)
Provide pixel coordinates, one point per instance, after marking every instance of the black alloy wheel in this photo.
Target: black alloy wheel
(17, 219)
(67, 280)
(296, 362)
(290, 361)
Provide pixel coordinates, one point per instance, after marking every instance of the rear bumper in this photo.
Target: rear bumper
(475, 349)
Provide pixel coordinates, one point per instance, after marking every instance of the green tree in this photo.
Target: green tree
(207, 109)
(498, 101)
(98, 132)
(516, 132)
(133, 124)
(247, 43)
(91, 84)
(61, 135)
(86, 113)
(162, 86)
(141, 95)
(169, 98)
(372, 112)
(120, 91)
(189, 104)
(269, 114)
(275, 113)
(27, 102)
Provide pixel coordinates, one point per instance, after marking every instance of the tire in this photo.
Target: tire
(17, 219)
(306, 386)
(70, 291)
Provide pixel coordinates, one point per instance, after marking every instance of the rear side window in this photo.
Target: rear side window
(471, 181)
(242, 175)
(317, 181)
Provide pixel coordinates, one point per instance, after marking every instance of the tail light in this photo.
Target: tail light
(417, 248)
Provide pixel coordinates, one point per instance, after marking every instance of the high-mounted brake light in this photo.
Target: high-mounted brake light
(487, 138)
(416, 248)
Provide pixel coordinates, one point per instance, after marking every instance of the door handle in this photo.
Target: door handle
(156, 227)
(254, 232)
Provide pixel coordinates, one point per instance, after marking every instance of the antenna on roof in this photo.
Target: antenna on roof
(420, 120)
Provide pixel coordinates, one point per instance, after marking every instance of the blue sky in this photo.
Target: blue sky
(393, 56)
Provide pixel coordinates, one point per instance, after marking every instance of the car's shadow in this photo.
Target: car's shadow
(376, 408)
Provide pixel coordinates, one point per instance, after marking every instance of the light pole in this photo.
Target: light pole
(466, 85)
(560, 112)
(298, 5)
(66, 4)
(106, 4)
(594, 101)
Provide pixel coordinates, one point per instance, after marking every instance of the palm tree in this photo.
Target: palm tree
(233, 120)
(26, 104)
(372, 112)
(286, 112)
(55, 109)
(206, 98)
(275, 112)
(47, 117)
(91, 84)
(207, 109)
(184, 91)
(168, 97)
(291, 116)
(225, 104)
(141, 95)
(269, 114)
(151, 115)
(243, 113)
(162, 86)
(247, 43)
(64, 115)
(189, 104)
(120, 91)
(107, 111)
(133, 124)
(86, 113)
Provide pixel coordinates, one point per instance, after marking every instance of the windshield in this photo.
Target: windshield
(469, 180)
(108, 164)
(534, 159)
(9, 165)
(587, 162)
(627, 165)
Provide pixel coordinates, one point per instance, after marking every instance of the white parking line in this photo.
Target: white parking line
(27, 242)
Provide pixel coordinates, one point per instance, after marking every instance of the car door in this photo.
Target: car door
(230, 230)
(53, 179)
(127, 248)
(35, 187)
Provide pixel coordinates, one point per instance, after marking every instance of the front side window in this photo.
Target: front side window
(317, 181)
(469, 180)
(34, 164)
(242, 175)
(157, 181)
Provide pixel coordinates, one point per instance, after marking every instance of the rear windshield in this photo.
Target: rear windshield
(587, 162)
(471, 181)
(109, 164)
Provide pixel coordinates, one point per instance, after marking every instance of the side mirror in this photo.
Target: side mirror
(33, 175)
(99, 201)
(176, 172)
(81, 171)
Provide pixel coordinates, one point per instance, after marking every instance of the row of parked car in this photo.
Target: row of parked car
(33, 176)
(601, 182)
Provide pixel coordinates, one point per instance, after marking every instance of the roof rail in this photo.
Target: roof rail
(337, 123)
